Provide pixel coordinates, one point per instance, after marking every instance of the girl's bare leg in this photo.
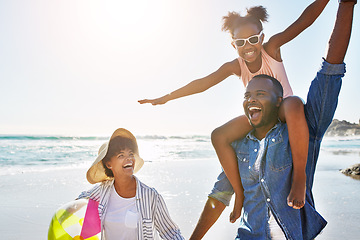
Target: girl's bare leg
(221, 138)
(292, 111)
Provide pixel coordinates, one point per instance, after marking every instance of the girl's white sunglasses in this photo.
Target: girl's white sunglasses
(254, 39)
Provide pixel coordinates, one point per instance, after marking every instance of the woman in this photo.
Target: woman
(128, 209)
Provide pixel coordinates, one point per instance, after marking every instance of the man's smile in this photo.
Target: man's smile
(254, 112)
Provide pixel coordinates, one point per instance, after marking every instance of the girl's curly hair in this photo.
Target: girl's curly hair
(255, 15)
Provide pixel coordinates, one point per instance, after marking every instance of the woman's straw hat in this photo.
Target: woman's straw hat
(96, 172)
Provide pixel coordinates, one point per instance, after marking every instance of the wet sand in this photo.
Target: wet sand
(30, 199)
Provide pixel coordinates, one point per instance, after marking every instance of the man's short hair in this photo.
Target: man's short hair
(277, 85)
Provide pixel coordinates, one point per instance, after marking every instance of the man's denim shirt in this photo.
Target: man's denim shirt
(267, 189)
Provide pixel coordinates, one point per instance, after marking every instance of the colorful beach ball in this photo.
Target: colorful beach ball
(76, 220)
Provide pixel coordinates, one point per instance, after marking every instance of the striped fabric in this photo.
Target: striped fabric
(151, 206)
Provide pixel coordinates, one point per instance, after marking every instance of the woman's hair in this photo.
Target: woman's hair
(116, 145)
(255, 15)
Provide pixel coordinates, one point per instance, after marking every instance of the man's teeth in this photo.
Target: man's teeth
(254, 109)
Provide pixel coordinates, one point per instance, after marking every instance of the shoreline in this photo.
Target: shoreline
(30, 199)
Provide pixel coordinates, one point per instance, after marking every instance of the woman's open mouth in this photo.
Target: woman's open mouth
(129, 165)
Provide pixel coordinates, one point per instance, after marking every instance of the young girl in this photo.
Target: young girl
(257, 57)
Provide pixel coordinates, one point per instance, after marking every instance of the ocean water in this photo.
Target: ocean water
(20, 154)
(182, 168)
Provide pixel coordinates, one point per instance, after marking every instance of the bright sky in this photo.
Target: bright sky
(79, 67)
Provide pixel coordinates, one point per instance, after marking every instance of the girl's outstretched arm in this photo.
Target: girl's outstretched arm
(199, 85)
(309, 15)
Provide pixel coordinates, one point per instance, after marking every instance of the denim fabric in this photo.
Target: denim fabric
(267, 189)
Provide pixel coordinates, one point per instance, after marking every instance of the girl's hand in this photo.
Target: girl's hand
(156, 101)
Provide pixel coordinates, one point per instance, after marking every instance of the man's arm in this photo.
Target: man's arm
(212, 211)
(340, 36)
(323, 93)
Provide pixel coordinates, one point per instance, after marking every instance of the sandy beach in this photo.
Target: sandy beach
(30, 199)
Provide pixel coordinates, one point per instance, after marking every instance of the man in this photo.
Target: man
(264, 156)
